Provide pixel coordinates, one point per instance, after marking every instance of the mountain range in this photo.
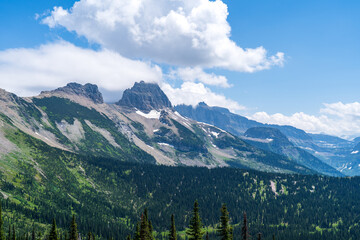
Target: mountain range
(143, 126)
(336, 152)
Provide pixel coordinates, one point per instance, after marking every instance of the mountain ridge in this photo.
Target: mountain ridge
(70, 119)
(335, 152)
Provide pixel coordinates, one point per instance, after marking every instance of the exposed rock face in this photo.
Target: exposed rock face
(268, 133)
(88, 90)
(145, 97)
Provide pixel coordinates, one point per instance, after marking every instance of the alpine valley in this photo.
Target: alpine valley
(67, 152)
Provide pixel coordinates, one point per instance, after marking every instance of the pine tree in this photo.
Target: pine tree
(33, 236)
(137, 232)
(244, 229)
(9, 233)
(173, 235)
(13, 235)
(151, 230)
(73, 233)
(90, 236)
(145, 227)
(224, 230)
(195, 230)
(2, 234)
(53, 232)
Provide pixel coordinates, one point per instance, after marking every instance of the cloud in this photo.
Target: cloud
(27, 71)
(337, 119)
(191, 93)
(197, 74)
(183, 33)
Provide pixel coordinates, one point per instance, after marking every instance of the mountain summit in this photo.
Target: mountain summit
(145, 97)
(88, 90)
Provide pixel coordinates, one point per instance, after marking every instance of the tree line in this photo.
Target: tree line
(143, 231)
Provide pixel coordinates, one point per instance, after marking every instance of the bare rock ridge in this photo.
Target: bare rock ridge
(145, 97)
(88, 90)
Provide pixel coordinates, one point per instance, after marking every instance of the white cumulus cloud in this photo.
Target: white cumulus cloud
(184, 33)
(197, 74)
(191, 93)
(339, 119)
(26, 71)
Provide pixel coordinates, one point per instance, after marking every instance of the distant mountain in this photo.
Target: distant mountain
(327, 141)
(237, 124)
(220, 117)
(271, 139)
(334, 151)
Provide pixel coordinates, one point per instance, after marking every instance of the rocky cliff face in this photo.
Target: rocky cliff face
(88, 90)
(145, 97)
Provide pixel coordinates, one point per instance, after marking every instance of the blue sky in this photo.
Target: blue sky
(319, 39)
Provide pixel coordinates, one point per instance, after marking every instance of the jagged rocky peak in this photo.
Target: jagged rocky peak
(7, 96)
(145, 97)
(88, 90)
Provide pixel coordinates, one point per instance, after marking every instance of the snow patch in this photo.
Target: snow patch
(166, 144)
(153, 114)
(215, 134)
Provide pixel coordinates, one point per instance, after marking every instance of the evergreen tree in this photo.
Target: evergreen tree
(145, 227)
(53, 232)
(173, 235)
(13, 235)
(195, 230)
(73, 233)
(9, 233)
(244, 229)
(137, 232)
(151, 230)
(2, 234)
(90, 236)
(33, 236)
(224, 230)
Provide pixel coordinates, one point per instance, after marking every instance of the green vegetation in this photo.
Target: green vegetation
(107, 196)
